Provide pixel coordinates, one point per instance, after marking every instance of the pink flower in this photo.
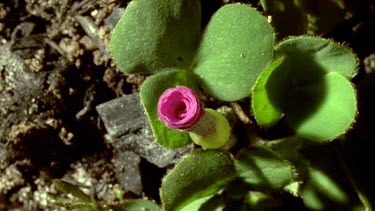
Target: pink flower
(180, 108)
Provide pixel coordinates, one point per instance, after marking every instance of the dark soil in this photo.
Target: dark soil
(55, 70)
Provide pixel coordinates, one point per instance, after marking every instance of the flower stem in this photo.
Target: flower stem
(212, 131)
(205, 126)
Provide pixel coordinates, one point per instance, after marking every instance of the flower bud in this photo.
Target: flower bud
(179, 108)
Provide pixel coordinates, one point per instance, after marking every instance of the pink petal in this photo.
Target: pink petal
(179, 108)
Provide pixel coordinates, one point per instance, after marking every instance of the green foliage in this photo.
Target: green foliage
(138, 205)
(192, 178)
(153, 35)
(321, 184)
(302, 82)
(313, 56)
(150, 92)
(263, 169)
(68, 188)
(289, 149)
(81, 202)
(211, 203)
(265, 111)
(334, 114)
(327, 186)
(310, 86)
(236, 47)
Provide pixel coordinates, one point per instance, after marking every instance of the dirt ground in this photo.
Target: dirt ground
(55, 69)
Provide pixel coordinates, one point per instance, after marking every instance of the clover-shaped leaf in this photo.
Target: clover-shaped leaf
(150, 92)
(236, 46)
(152, 35)
(202, 173)
(310, 87)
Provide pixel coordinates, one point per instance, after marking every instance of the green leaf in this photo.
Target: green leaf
(236, 47)
(281, 12)
(311, 86)
(266, 113)
(211, 203)
(138, 205)
(312, 56)
(321, 184)
(152, 35)
(68, 188)
(289, 149)
(263, 169)
(202, 173)
(151, 89)
(327, 184)
(323, 110)
(260, 201)
(83, 207)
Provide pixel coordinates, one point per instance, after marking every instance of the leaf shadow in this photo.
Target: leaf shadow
(297, 87)
(261, 181)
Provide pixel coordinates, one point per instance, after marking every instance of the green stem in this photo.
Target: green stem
(362, 197)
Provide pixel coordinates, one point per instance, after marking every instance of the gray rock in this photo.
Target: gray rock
(127, 171)
(142, 142)
(91, 30)
(114, 17)
(20, 91)
(3, 155)
(129, 129)
(122, 115)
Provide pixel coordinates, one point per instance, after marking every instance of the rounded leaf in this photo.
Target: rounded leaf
(318, 53)
(202, 173)
(212, 203)
(137, 205)
(266, 112)
(152, 35)
(236, 46)
(263, 169)
(333, 112)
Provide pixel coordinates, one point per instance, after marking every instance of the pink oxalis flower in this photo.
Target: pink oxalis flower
(180, 108)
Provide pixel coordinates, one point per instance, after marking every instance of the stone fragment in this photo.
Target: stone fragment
(127, 171)
(129, 129)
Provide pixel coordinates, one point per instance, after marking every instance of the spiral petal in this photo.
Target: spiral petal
(180, 108)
